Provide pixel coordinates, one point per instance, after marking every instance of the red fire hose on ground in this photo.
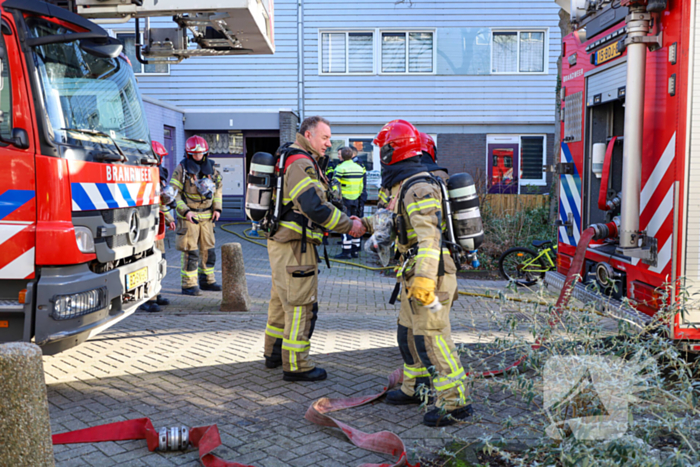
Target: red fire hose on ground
(207, 438)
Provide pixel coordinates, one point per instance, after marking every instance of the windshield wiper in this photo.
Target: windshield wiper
(103, 134)
(144, 160)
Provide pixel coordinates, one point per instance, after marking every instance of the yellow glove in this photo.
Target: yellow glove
(423, 290)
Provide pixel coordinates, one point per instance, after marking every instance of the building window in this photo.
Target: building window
(407, 52)
(515, 162)
(532, 158)
(347, 52)
(518, 52)
(139, 68)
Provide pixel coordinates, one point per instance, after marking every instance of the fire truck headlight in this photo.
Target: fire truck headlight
(84, 240)
(79, 304)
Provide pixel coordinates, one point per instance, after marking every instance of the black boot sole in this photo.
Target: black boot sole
(273, 364)
(403, 402)
(293, 377)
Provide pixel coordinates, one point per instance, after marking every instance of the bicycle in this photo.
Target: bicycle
(525, 266)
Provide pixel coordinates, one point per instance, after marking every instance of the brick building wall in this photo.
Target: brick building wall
(289, 123)
(462, 153)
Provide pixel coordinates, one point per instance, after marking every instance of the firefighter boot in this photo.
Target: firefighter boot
(398, 397)
(150, 306)
(194, 291)
(272, 362)
(213, 287)
(162, 301)
(317, 374)
(439, 417)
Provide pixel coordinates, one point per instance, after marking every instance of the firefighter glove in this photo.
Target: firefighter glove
(423, 290)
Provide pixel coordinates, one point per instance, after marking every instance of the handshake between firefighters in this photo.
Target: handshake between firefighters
(426, 219)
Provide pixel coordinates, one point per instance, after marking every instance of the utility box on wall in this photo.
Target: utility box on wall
(232, 170)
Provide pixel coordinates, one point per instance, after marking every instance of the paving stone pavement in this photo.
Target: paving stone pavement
(193, 365)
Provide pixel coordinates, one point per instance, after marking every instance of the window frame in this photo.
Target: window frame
(116, 33)
(517, 138)
(545, 52)
(347, 32)
(532, 181)
(406, 31)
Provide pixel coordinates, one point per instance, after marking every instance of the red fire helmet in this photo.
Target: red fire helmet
(398, 140)
(427, 144)
(196, 144)
(160, 150)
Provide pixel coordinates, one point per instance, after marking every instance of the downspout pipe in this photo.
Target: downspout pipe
(637, 26)
(300, 59)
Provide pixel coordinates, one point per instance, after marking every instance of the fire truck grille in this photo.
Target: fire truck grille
(122, 239)
(111, 216)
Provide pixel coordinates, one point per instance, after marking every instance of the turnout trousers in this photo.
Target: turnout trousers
(197, 244)
(293, 308)
(430, 357)
(350, 244)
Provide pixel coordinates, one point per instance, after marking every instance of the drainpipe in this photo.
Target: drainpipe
(300, 59)
(637, 27)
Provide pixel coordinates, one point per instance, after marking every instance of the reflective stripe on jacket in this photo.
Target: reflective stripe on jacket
(351, 177)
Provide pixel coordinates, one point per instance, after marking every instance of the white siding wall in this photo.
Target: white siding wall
(432, 99)
(240, 82)
(157, 117)
(270, 82)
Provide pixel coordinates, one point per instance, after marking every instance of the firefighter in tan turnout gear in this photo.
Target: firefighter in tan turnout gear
(427, 278)
(198, 207)
(306, 211)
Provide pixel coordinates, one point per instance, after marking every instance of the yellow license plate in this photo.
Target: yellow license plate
(136, 278)
(607, 53)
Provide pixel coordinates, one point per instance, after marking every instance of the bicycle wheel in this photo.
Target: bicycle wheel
(521, 266)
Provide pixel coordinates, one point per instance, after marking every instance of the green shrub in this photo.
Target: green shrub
(506, 230)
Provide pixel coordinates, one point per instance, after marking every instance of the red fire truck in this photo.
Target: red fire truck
(630, 160)
(79, 203)
(79, 197)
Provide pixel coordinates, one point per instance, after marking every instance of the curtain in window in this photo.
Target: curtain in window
(393, 52)
(333, 52)
(532, 153)
(531, 52)
(360, 47)
(420, 52)
(505, 52)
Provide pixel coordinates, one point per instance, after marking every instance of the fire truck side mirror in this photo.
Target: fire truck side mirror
(110, 48)
(19, 139)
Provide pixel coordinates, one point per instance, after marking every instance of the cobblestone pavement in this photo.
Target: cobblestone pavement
(193, 365)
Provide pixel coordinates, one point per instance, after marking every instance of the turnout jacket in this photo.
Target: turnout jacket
(305, 201)
(422, 212)
(188, 197)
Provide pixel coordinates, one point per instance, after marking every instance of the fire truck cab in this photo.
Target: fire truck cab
(79, 186)
(629, 166)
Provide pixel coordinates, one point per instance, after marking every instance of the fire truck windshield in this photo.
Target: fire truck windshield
(92, 103)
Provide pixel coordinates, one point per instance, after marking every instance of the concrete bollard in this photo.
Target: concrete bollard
(25, 430)
(234, 284)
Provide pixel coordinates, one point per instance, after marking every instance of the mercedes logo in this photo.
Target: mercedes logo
(133, 234)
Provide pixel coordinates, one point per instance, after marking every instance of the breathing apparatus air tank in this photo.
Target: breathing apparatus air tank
(261, 180)
(466, 217)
